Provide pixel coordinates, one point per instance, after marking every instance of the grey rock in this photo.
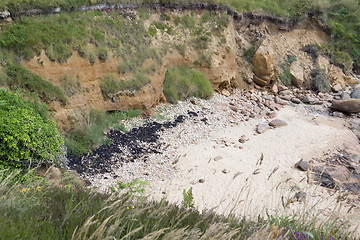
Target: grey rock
(345, 96)
(323, 177)
(338, 114)
(353, 187)
(201, 180)
(278, 123)
(336, 88)
(286, 97)
(356, 92)
(309, 99)
(300, 196)
(218, 158)
(285, 92)
(280, 101)
(302, 165)
(296, 100)
(261, 128)
(347, 106)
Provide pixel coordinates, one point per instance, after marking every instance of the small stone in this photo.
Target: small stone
(278, 123)
(323, 177)
(201, 180)
(261, 128)
(336, 88)
(279, 101)
(243, 139)
(285, 92)
(356, 92)
(193, 101)
(236, 146)
(296, 100)
(309, 99)
(338, 114)
(345, 96)
(300, 196)
(218, 158)
(347, 106)
(225, 92)
(235, 109)
(225, 171)
(282, 88)
(302, 165)
(272, 114)
(274, 88)
(286, 97)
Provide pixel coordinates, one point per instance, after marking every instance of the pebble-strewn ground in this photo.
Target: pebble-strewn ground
(149, 150)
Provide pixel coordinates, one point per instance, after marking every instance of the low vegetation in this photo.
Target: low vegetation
(69, 211)
(110, 84)
(19, 77)
(285, 77)
(85, 137)
(183, 82)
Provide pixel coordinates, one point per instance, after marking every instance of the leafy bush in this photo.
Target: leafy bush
(249, 53)
(27, 136)
(20, 77)
(181, 48)
(109, 83)
(183, 82)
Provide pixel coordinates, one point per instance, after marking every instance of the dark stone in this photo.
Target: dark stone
(278, 123)
(302, 165)
(323, 177)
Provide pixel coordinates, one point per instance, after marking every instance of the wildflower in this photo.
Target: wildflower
(133, 207)
(127, 208)
(38, 188)
(25, 189)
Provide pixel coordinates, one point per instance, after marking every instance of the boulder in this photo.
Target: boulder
(346, 106)
(336, 76)
(356, 92)
(336, 87)
(323, 177)
(263, 66)
(297, 74)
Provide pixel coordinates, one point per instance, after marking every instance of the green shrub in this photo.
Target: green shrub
(343, 60)
(92, 58)
(27, 136)
(249, 53)
(188, 22)
(20, 77)
(201, 42)
(183, 82)
(320, 80)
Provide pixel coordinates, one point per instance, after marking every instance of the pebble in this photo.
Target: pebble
(278, 123)
(261, 128)
(296, 100)
(302, 165)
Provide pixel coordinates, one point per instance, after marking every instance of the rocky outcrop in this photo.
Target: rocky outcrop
(263, 62)
(297, 74)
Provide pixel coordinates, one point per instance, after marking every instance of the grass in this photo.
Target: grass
(320, 81)
(285, 77)
(19, 77)
(83, 138)
(249, 53)
(69, 211)
(183, 82)
(111, 85)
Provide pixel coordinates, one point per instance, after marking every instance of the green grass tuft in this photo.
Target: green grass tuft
(183, 82)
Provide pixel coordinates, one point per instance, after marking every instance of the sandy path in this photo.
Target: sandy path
(247, 187)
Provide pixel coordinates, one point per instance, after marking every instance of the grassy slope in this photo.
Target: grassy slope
(343, 17)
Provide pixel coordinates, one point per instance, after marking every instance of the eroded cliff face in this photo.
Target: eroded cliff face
(223, 61)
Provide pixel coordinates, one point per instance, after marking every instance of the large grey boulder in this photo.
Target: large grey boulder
(356, 92)
(346, 106)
